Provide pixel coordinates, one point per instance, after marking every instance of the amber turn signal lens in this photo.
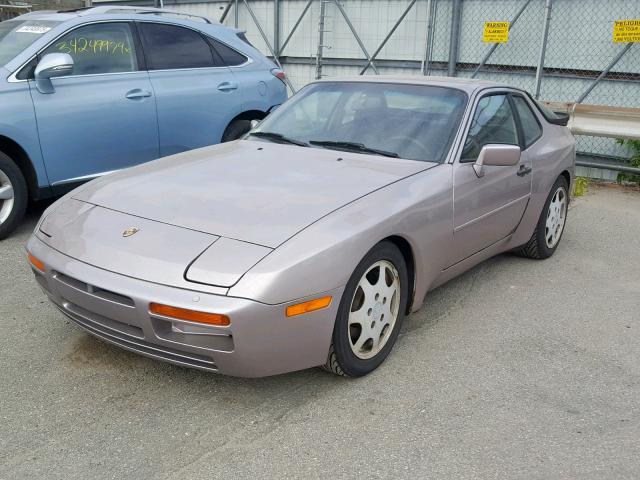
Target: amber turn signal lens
(189, 315)
(310, 306)
(36, 263)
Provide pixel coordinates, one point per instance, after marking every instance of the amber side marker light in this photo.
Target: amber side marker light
(35, 262)
(189, 315)
(310, 306)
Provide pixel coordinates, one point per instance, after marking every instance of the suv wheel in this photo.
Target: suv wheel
(13, 195)
(235, 130)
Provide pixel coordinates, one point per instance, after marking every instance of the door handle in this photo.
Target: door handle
(227, 86)
(137, 93)
(524, 170)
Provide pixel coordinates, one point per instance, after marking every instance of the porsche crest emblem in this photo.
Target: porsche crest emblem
(130, 231)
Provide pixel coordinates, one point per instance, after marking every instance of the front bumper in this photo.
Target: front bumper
(260, 341)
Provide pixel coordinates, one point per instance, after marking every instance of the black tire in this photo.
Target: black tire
(341, 359)
(537, 247)
(20, 196)
(235, 130)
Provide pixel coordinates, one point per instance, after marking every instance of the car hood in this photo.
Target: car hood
(257, 192)
(145, 249)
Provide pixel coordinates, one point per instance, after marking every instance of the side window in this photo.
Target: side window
(28, 71)
(98, 48)
(229, 56)
(530, 127)
(493, 122)
(170, 47)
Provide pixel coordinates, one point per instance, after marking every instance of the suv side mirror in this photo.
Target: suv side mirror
(496, 155)
(52, 65)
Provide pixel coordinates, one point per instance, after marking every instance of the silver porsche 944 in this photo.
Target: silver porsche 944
(307, 242)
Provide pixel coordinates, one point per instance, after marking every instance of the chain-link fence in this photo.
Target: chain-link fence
(559, 50)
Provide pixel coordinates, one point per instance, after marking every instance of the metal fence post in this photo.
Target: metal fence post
(456, 15)
(543, 47)
(428, 48)
(276, 28)
(236, 12)
(320, 40)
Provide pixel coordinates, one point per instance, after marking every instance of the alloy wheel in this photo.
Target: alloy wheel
(556, 217)
(6, 197)
(374, 309)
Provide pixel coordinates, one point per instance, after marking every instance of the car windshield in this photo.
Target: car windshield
(16, 35)
(415, 122)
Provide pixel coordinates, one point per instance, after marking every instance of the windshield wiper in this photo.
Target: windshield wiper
(356, 147)
(278, 137)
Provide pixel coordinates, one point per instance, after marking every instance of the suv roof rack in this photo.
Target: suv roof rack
(73, 10)
(168, 12)
(106, 9)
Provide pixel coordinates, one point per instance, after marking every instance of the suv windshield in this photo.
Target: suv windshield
(415, 122)
(16, 35)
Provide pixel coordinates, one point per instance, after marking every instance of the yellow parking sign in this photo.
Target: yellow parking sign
(625, 31)
(495, 32)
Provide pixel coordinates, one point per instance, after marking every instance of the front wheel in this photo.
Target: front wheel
(370, 313)
(13, 195)
(548, 232)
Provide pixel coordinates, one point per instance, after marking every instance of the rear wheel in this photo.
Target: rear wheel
(235, 130)
(548, 232)
(13, 195)
(370, 313)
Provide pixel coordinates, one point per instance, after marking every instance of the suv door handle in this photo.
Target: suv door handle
(137, 93)
(524, 170)
(227, 86)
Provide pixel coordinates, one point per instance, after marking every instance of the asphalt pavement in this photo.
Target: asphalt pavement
(518, 369)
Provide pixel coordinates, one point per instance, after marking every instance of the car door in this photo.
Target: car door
(196, 96)
(489, 208)
(102, 117)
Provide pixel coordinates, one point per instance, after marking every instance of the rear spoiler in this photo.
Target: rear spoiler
(561, 119)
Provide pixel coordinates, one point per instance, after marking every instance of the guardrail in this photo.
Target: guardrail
(607, 166)
(602, 121)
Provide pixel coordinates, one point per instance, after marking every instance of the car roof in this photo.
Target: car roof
(62, 15)
(467, 84)
(66, 19)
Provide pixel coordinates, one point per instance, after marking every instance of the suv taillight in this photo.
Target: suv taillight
(279, 74)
